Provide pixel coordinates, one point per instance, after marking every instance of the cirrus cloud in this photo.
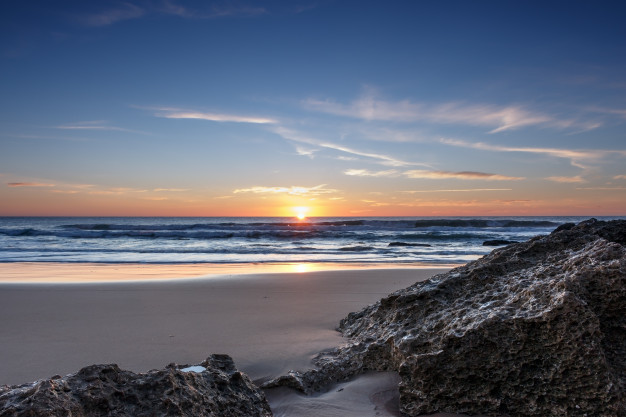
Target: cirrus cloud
(567, 180)
(367, 173)
(30, 184)
(462, 175)
(576, 156)
(498, 118)
(293, 190)
(173, 113)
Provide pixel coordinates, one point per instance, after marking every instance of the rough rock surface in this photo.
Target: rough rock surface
(213, 388)
(533, 329)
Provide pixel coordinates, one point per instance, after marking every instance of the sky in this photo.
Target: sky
(326, 108)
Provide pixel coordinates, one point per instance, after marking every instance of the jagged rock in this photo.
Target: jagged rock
(533, 329)
(498, 242)
(213, 388)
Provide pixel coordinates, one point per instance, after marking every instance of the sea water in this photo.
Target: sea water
(422, 240)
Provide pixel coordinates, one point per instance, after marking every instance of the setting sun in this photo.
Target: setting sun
(301, 212)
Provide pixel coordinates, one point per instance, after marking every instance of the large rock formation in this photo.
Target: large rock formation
(532, 329)
(213, 388)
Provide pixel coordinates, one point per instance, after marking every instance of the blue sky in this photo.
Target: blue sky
(160, 107)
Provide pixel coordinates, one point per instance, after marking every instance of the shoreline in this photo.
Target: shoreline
(30, 273)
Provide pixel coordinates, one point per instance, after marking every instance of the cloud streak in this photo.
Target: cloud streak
(95, 125)
(383, 159)
(366, 173)
(30, 184)
(126, 11)
(462, 190)
(213, 11)
(170, 113)
(567, 180)
(130, 11)
(498, 118)
(462, 175)
(293, 190)
(575, 156)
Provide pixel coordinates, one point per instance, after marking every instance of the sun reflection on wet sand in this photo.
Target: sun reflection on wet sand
(40, 272)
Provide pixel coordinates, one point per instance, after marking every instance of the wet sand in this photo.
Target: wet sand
(268, 323)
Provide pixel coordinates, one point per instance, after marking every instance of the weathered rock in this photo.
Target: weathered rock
(498, 242)
(532, 329)
(213, 388)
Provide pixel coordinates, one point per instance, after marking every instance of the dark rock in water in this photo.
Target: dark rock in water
(498, 242)
(213, 388)
(565, 226)
(533, 329)
(421, 245)
(356, 248)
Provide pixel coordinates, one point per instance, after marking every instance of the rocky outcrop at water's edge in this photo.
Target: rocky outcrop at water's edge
(213, 389)
(533, 329)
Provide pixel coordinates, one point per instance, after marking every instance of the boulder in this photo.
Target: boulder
(213, 388)
(533, 329)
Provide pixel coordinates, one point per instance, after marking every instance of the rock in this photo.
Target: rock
(498, 242)
(213, 388)
(421, 245)
(533, 329)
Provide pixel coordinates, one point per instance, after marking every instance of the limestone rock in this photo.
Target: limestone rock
(533, 329)
(213, 388)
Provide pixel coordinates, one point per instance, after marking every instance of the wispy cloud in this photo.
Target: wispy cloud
(293, 190)
(95, 125)
(117, 191)
(366, 173)
(125, 11)
(498, 118)
(462, 190)
(462, 175)
(383, 159)
(576, 156)
(619, 177)
(65, 191)
(374, 203)
(129, 11)
(172, 113)
(30, 184)
(304, 151)
(608, 111)
(567, 180)
(155, 198)
(170, 190)
(211, 11)
(602, 188)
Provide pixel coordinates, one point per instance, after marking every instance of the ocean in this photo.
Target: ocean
(234, 240)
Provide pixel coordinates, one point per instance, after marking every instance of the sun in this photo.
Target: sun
(301, 212)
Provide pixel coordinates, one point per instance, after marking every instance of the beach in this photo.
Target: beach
(269, 323)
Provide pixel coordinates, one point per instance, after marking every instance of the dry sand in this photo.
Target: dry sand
(268, 323)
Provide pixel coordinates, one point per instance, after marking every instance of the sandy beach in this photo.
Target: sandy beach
(269, 323)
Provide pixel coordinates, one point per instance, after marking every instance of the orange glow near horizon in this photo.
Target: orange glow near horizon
(31, 201)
